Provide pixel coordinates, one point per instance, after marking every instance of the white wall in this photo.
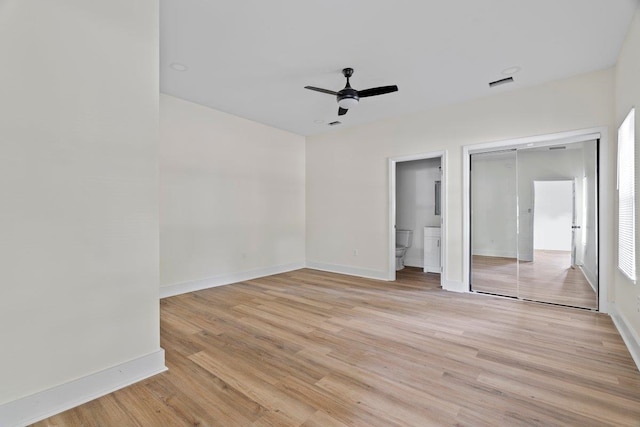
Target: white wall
(547, 165)
(232, 198)
(347, 173)
(415, 203)
(553, 215)
(494, 202)
(78, 178)
(627, 294)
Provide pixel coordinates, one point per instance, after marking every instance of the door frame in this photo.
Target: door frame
(391, 272)
(605, 197)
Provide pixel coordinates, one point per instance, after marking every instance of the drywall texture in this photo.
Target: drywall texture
(78, 178)
(231, 194)
(553, 215)
(415, 203)
(347, 171)
(627, 294)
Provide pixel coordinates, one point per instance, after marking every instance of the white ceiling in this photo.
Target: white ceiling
(252, 58)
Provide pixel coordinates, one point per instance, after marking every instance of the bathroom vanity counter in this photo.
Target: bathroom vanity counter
(432, 250)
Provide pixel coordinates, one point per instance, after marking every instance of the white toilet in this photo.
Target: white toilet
(404, 238)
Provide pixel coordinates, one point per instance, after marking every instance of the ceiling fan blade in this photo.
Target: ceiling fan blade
(377, 91)
(342, 111)
(319, 89)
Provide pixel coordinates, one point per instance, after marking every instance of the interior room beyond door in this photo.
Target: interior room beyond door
(534, 224)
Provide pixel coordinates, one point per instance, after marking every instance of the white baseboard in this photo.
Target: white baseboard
(454, 286)
(226, 279)
(414, 262)
(629, 336)
(348, 270)
(490, 252)
(49, 402)
(589, 276)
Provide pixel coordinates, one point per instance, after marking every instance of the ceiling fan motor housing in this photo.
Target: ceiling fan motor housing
(347, 97)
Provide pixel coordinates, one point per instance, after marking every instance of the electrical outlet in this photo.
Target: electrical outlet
(355, 252)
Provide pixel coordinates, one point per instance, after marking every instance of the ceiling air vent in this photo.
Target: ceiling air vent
(557, 148)
(335, 123)
(501, 82)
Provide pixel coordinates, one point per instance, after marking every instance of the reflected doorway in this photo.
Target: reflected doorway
(534, 223)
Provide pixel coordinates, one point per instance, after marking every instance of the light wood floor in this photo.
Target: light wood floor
(310, 348)
(549, 278)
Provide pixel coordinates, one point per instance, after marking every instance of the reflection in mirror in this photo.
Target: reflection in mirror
(494, 223)
(557, 237)
(438, 197)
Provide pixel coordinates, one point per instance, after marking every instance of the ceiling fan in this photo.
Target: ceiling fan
(349, 97)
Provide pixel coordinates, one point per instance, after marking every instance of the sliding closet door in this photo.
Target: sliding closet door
(557, 206)
(587, 257)
(494, 244)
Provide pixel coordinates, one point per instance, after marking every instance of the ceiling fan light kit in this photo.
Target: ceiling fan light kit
(349, 97)
(348, 102)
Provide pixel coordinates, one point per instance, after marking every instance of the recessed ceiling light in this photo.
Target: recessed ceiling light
(318, 121)
(511, 71)
(178, 66)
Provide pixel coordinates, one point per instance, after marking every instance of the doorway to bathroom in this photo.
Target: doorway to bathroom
(417, 216)
(533, 222)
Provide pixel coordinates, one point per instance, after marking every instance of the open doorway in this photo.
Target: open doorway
(554, 217)
(417, 212)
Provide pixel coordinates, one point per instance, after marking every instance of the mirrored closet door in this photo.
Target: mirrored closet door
(534, 223)
(494, 223)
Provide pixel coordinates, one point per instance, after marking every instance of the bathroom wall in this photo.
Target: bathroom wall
(232, 198)
(415, 203)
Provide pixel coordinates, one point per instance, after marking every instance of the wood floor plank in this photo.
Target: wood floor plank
(322, 419)
(311, 348)
(549, 278)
